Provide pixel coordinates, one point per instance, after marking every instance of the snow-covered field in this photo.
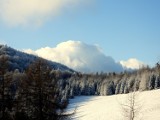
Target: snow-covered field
(111, 107)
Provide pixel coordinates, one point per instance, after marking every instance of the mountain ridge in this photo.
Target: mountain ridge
(20, 60)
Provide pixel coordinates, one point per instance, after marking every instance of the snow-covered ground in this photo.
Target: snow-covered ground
(111, 107)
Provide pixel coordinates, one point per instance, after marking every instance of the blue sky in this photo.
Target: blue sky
(122, 28)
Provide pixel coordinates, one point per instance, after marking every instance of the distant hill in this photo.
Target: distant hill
(20, 60)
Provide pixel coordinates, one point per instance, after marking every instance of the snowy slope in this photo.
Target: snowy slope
(111, 107)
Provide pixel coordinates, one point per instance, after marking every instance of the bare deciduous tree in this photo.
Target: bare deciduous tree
(132, 107)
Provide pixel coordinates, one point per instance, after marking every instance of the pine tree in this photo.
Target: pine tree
(157, 82)
(123, 84)
(151, 82)
(118, 86)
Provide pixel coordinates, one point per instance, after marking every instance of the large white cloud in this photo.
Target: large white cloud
(132, 63)
(79, 56)
(35, 12)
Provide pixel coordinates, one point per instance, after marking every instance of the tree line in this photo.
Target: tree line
(112, 83)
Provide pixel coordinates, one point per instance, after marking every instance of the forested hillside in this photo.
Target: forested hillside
(19, 60)
(35, 88)
(29, 87)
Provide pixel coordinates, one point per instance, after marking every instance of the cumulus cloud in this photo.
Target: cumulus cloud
(35, 12)
(79, 56)
(132, 63)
